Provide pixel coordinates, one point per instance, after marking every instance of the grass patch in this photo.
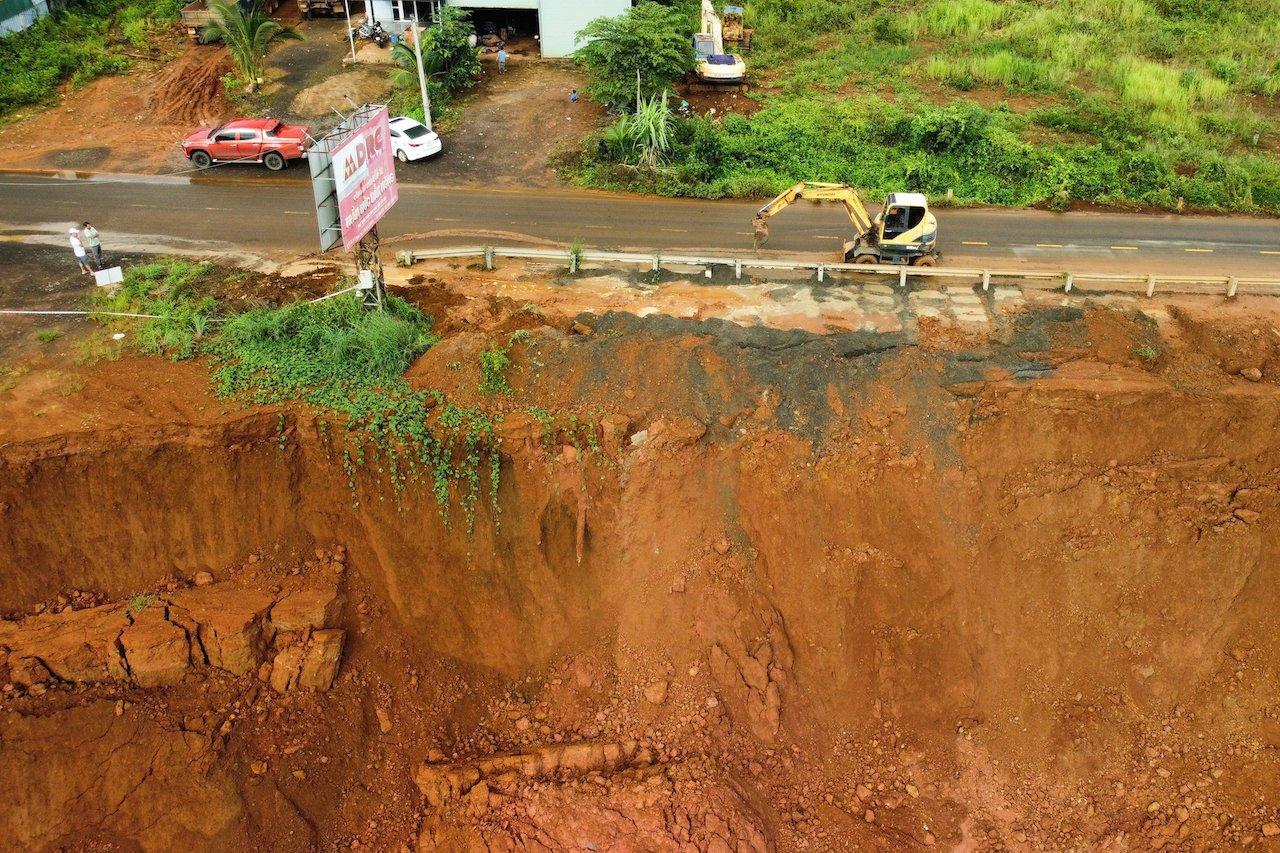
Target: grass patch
(166, 289)
(46, 336)
(949, 19)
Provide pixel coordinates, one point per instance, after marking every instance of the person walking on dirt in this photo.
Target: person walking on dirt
(502, 60)
(78, 248)
(92, 242)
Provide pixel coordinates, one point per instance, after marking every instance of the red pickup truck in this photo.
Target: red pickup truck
(247, 140)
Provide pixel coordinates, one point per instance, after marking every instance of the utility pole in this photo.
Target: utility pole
(422, 76)
(351, 35)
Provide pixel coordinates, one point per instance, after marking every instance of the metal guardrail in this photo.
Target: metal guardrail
(1226, 285)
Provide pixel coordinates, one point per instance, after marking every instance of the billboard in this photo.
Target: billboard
(353, 177)
(365, 174)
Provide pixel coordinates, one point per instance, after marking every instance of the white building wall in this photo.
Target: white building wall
(558, 20)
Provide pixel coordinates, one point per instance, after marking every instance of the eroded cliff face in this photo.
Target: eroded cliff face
(847, 592)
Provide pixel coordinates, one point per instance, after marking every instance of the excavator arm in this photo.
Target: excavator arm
(846, 195)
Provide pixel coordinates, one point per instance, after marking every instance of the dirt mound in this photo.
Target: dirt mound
(189, 90)
(795, 591)
(362, 86)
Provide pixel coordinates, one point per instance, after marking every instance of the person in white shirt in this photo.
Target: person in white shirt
(82, 257)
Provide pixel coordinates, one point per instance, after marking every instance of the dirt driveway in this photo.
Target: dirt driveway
(510, 125)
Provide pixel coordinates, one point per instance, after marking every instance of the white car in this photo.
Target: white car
(410, 139)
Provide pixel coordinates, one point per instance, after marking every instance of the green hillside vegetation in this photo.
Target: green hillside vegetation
(82, 40)
(1171, 104)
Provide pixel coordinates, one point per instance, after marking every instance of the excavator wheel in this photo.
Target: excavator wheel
(925, 261)
(866, 259)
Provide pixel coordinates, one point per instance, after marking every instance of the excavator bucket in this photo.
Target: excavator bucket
(759, 230)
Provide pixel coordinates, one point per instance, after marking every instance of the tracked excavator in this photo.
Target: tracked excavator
(714, 65)
(903, 232)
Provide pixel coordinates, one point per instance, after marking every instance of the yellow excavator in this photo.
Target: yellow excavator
(904, 232)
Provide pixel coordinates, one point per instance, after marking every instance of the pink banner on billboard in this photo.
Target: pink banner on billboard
(365, 173)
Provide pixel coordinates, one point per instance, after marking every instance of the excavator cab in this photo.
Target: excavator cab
(903, 232)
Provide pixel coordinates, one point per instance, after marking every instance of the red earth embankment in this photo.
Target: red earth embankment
(845, 591)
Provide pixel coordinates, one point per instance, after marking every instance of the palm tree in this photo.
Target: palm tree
(247, 34)
(405, 76)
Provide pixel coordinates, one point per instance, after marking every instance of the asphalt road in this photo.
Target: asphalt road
(264, 214)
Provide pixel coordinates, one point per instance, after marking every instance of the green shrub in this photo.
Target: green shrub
(650, 41)
(319, 351)
(493, 371)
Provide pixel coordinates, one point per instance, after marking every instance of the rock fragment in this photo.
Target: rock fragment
(157, 651)
(656, 693)
(313, 607)
(321, 658)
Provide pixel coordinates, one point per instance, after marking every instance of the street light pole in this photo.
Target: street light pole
(422, 76)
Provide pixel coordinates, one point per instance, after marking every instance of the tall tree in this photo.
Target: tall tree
(248, 34)
(650, 39)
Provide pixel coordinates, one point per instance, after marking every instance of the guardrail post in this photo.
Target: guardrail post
(657, 263)
(573, 262)
(1071, 280)
(986, 280)
(488, 257)
(1151, 285)
(1232, 283)
(822, 272)
(404, 259)
(902, 278)
(737, 269)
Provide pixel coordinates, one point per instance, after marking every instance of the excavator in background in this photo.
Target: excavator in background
(903, 232)
(714, 65)
(736, 36)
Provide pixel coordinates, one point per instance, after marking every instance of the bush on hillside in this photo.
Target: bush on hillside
(651, 39)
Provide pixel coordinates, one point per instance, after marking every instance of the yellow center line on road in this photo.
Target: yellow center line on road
(1268, 252)
(445, 219)
(677, 230)
(599, 227)
(1202, 251)
(1124, 248)
(1050, 246)
(974, 243)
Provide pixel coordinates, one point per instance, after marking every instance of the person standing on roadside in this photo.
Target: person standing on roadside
(92, 242)
(78, 248)
(502, 60)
